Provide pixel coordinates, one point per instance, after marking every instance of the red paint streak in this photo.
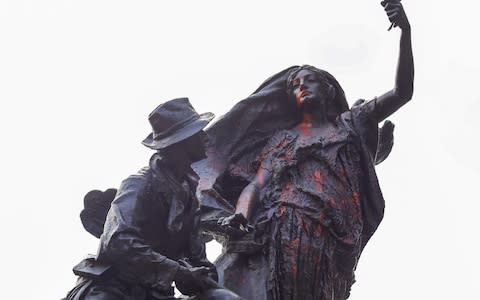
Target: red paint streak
(333, 203)
(295, 243)
(294, 271)
(281, 211)
(318, 229)
(356, 198)
(318, 178)
(322, 218)
(305, 227)
(305, 129)
(294, 246)
(242, 281)
(306, 125)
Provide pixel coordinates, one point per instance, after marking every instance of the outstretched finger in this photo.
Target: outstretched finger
(392, 25)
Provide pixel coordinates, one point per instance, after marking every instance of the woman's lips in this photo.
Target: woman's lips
(305, 93)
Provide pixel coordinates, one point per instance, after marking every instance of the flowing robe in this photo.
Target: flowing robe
(317, 212)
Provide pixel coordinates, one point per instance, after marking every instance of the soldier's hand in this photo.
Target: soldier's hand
(191, 273)
(396, 13)
(192, 280)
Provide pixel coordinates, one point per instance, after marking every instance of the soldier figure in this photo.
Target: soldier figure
(150, 237)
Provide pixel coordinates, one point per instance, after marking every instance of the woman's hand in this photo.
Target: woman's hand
(396, 14)
(235, 225)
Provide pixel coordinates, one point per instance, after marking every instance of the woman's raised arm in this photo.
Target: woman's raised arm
(402, 92)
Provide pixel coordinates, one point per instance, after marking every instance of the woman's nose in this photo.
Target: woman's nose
(301, 85)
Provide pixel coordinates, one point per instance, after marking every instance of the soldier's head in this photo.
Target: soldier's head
(178, 129)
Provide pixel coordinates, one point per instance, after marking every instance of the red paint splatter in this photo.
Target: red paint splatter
(295, 243)
(271, 148)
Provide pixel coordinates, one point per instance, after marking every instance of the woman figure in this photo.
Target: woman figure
(301, 165)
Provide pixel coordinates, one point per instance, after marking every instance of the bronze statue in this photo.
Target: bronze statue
(289, 185)
(150, 237)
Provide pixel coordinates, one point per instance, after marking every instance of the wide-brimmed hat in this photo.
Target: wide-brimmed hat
(174, 121)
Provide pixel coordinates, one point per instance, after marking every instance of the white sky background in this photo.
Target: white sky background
(78, 79)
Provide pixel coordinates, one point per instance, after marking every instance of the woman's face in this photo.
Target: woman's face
(309, 91)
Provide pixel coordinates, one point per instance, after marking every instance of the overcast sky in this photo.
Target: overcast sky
(78, 79)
